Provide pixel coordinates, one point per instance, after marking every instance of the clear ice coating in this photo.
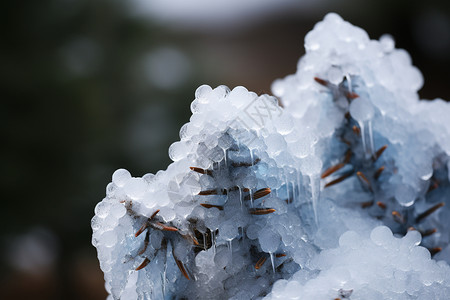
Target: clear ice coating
(339, 193)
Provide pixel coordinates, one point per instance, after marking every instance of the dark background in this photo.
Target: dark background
(89, 86)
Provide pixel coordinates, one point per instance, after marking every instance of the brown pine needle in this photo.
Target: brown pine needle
(351, 95)
(435, 250)
(379, 152)
(348, 156)
(434, 185)
(258, 194)
(208, 192)
(367, 204)
(280, 255)
(321, 81)
(142, 229)
(363, 178)
(260, 262)
(378, 172)
(356, 130)
(261, 193)
(342, 178)
(181, 267)
(154, 214)
(428, 232)
(429, 211)
(201, 171)
(398, 217)
(164, 227)
(332, 169)
(206, 205)
(195, 241)
(261, 211)
(189, 237)
(381, 204)
(144, 264)
(236, 188)
(288, 201)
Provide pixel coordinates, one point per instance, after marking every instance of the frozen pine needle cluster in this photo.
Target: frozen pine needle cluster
(336, 189)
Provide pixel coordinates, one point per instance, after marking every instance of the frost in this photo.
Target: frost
(338, 193)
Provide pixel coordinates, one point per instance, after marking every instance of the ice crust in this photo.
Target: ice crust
(293, 202)
(380, 266)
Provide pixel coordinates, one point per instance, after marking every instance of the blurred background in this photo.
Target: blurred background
(90, 86)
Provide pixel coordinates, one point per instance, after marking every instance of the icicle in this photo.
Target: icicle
(367, 138)
(164, 276)
(349, 82)
(371, 149)
(315, 194)
(287, 188)
(240, 196)
(362, 111)
(272, 260)
(251, 157)
(230, 246)
(363, 137)
(299, 186)
(225, 157)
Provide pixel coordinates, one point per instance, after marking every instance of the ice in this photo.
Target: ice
(311, 165)
(361, 109)
(405, 195)
(102, 209)
(269, 240)
(156, 239)
(202, 93)
(252, 231)
(118, 211)
(228, 231)
(109, 238)
(349, 239)
(381, 235)
(135, 188)
(120, 177)
(335, 75)
(387, 42)
(340, 194)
